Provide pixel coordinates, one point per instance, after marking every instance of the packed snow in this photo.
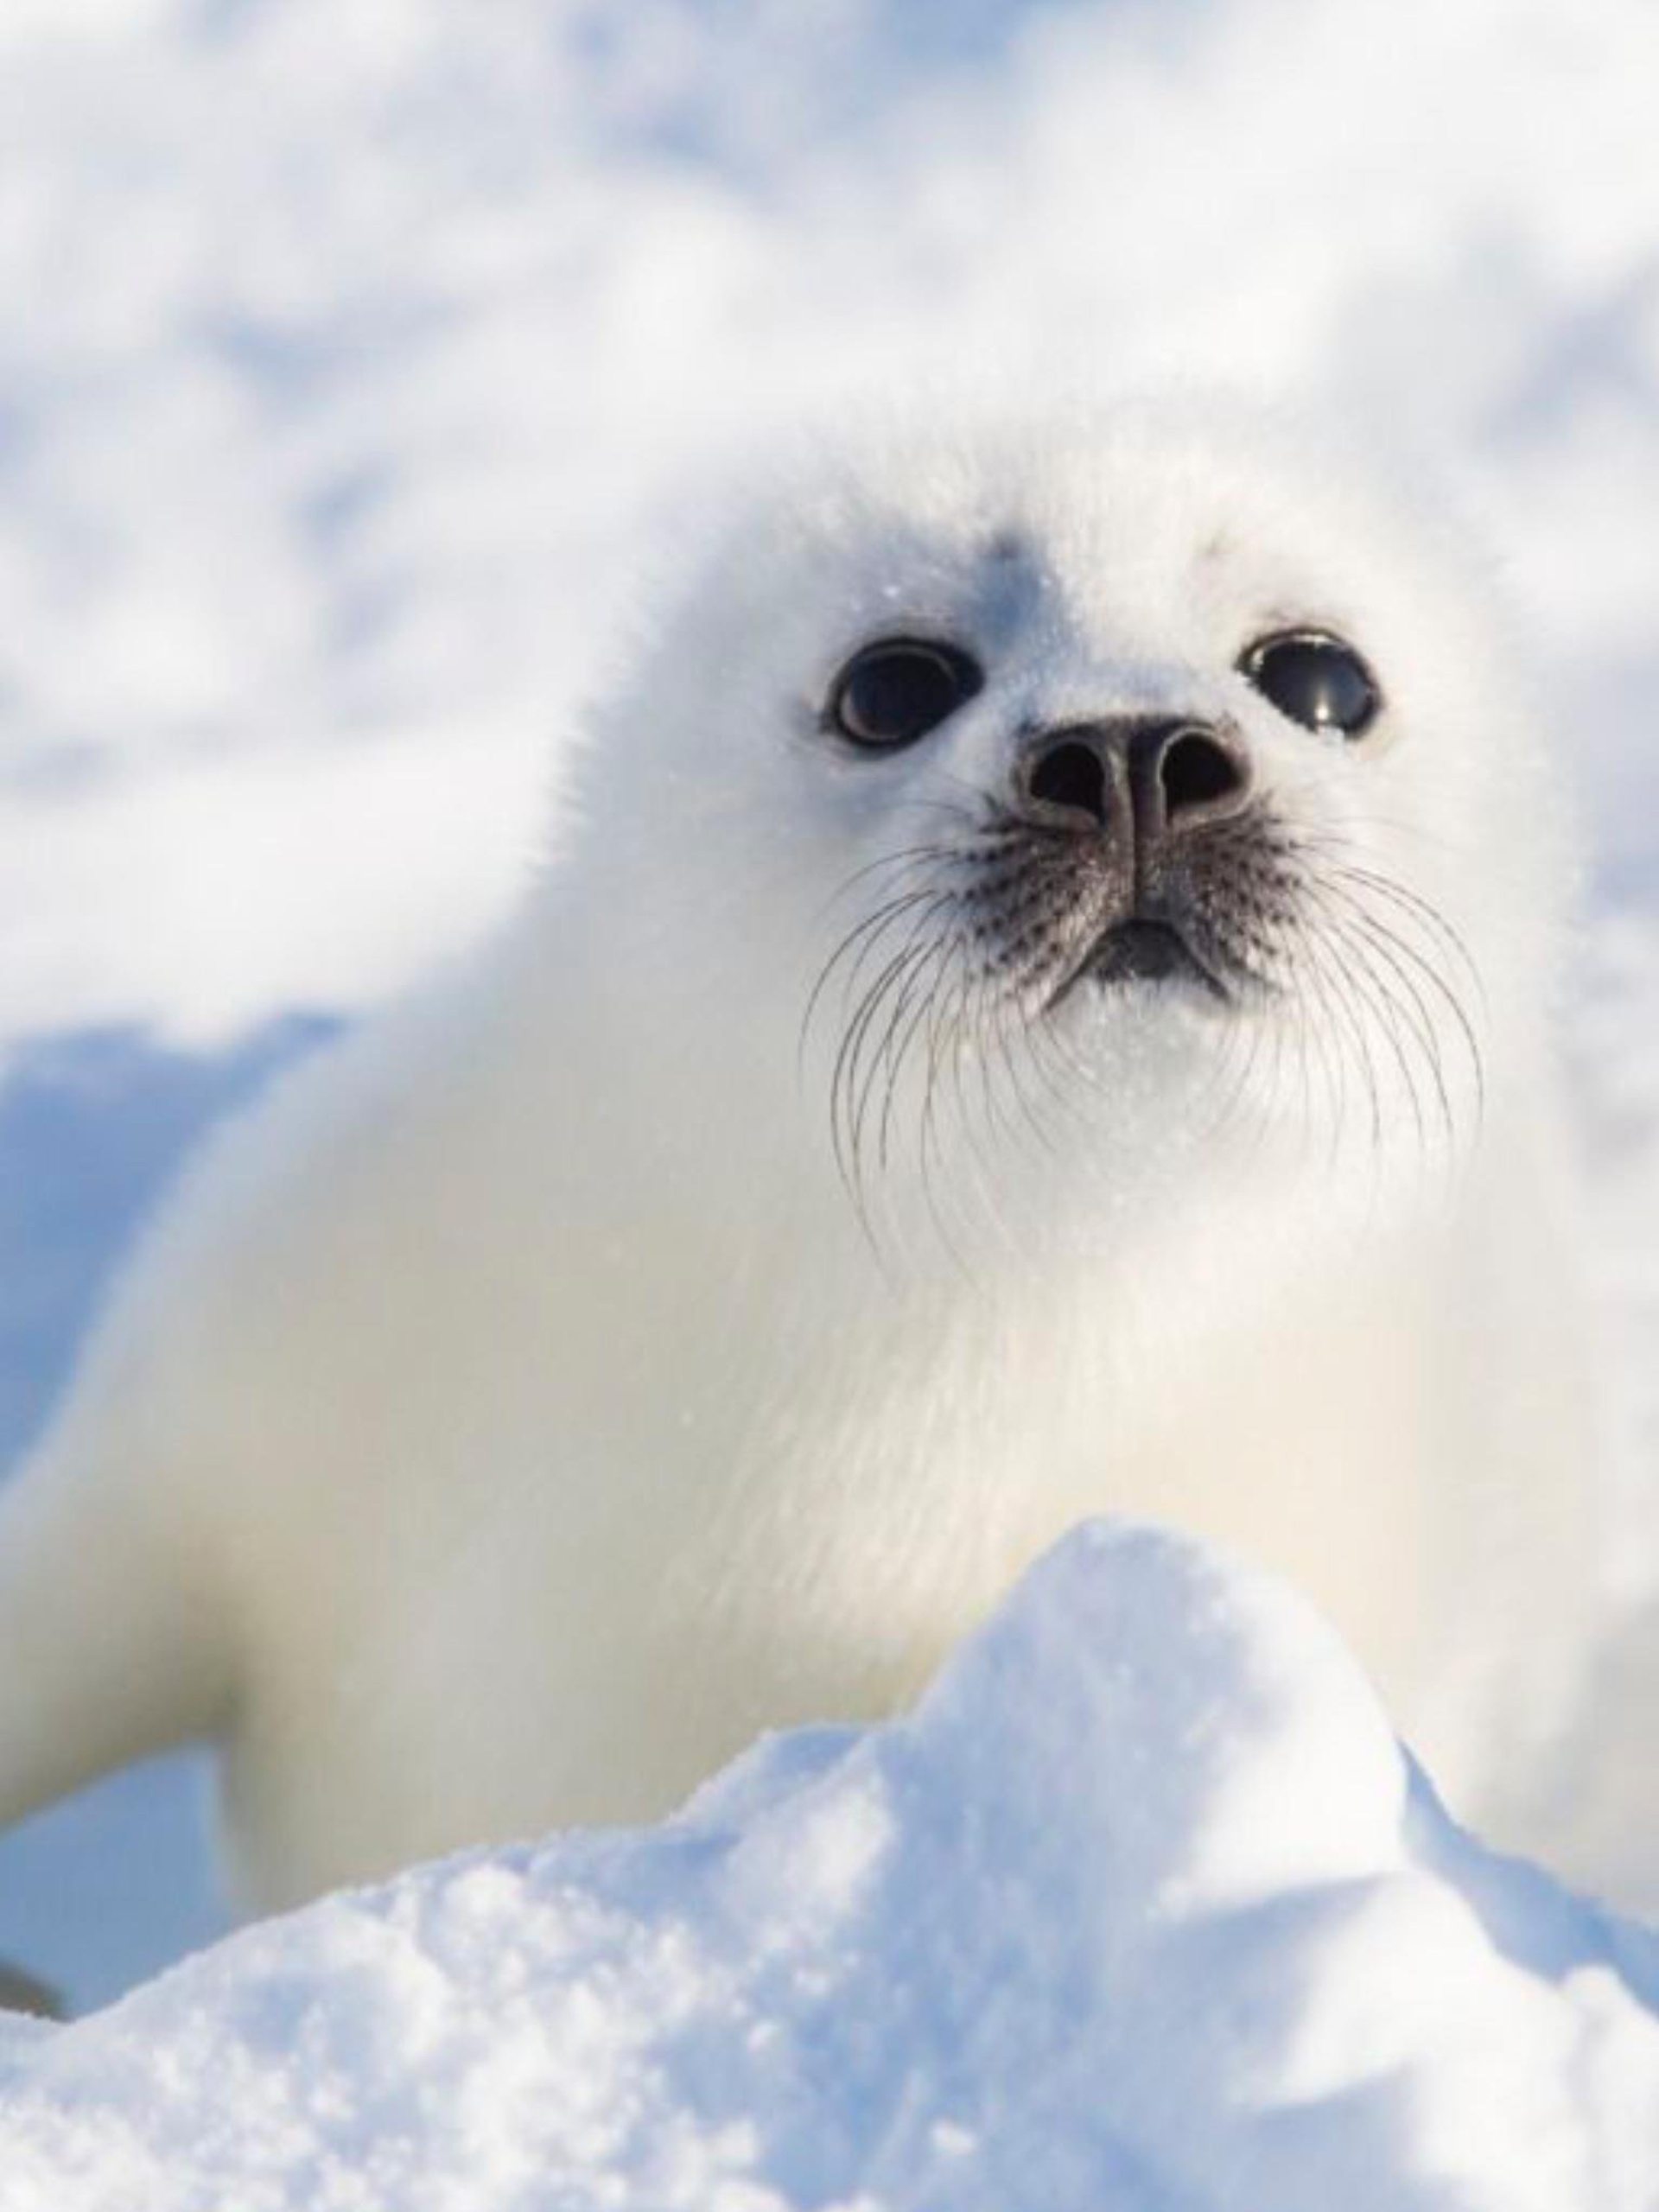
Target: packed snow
(1143, 1907)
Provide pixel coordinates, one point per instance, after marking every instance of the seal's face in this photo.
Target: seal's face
(1138, 771)
(1128, 849)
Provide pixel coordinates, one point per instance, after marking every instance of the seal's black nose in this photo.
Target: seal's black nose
(1172, 775)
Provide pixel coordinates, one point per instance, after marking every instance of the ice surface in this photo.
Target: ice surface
(1143, 1908)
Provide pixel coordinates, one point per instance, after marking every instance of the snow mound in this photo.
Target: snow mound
(1143, 1907)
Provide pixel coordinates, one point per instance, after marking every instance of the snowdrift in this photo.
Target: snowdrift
(1143, 1908)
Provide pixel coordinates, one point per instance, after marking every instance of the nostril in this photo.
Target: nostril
(1195, 771)
(1070, 775)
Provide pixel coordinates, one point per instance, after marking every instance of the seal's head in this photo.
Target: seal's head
(1134, 780)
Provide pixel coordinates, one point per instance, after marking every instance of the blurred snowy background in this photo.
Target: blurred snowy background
(348, 347)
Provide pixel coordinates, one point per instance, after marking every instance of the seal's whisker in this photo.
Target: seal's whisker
(898, 982)
(1316, 993)
(843, 1084)
(912, 1010)
(1388, 887)
(950, 1044)
(1298, 1006)
(1408, 1002)
(873, 1031)
(1393, 945)
(1374, 989)
(869, 931)
(870, 926)
(944, 986)
(1337, 974)
(1326, 949)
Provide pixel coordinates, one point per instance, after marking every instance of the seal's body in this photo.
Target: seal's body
(1044, 1011)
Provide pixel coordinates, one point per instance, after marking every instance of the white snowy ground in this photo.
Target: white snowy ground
(347, 348)
(1143, 1909)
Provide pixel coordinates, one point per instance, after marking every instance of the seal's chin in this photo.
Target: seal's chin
(1140, 950)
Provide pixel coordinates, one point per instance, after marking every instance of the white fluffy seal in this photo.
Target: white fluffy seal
(1043, 1009)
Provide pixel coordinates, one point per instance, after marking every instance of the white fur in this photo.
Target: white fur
(516, 1413)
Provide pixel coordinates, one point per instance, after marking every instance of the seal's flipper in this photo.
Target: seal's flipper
(107, 1648)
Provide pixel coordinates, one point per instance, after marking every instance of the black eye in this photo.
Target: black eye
(893, 693)
(1315, 679)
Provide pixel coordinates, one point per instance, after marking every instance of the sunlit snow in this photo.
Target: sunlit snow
(1143, 1908)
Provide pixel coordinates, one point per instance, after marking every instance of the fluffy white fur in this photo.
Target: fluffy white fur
(522, 1408)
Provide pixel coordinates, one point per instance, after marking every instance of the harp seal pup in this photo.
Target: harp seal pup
(1043, 1008)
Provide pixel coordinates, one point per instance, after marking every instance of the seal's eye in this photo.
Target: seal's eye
(896, 691)
(1315, 679)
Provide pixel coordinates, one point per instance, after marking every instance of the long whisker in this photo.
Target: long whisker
(1393, 945)
(1374, 989)
(1371, 881)
(869, 931)
(915, 999)
(845, 1112)
(1383, 947)
(1350, 1000)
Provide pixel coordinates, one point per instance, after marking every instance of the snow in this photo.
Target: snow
(1142, 1906)
(357, 345)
